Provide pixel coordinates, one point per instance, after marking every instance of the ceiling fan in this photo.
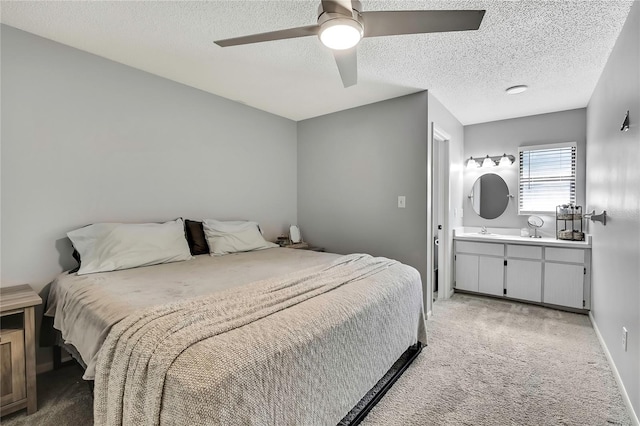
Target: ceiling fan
(342, 24)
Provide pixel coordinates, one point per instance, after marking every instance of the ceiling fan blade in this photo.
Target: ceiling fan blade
(347, 61)
(342, 7)
(270, 36)
(420, 21)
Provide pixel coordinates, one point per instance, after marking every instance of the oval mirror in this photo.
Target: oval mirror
(535, 221)
(489, 196)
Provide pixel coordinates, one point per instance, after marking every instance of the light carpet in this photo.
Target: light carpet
(496, 362)
(489, 362)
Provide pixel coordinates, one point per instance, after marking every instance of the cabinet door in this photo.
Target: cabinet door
(524, 280)
(467, 272)
(564, 284)
(491, 275)
(12, 373)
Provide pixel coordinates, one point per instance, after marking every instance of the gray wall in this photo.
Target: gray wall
(613, 184)
(505, 136)
(352, 166)
(85, 140)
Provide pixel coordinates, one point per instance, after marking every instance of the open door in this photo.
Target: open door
(441, 276)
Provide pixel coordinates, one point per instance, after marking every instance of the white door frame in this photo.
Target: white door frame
(438, 135)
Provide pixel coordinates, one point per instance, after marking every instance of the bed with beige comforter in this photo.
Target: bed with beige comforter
(274, 337)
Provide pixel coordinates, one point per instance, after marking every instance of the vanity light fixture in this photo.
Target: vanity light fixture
(625, 123)
(490, 161)
(505, 160)
(514, 90)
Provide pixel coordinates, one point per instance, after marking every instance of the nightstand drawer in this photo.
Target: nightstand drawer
(12, 374)
(18, 349)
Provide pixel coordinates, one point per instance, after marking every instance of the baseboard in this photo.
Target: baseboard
(44, 367)
(48, 366)
(623, 391)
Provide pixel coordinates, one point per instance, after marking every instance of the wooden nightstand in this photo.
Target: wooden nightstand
(18, 349)
(304, 246)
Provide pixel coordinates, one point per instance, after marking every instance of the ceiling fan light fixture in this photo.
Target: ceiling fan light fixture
(341, 33)
(341, 25)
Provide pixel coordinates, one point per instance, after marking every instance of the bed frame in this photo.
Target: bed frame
(50, 337)
(366, 404)
(353, 418)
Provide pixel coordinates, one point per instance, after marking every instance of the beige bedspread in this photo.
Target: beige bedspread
(295, 349)
(86, 307)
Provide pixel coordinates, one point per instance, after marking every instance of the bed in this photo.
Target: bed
(275, 336)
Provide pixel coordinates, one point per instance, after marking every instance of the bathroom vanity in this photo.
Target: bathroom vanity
(544, 271)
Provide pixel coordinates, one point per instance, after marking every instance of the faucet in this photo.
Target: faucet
(483, 230)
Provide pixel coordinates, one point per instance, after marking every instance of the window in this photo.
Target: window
(547, 177)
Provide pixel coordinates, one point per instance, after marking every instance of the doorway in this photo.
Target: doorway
(441, 244)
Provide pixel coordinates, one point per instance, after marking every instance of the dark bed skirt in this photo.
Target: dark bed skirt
(362, 408)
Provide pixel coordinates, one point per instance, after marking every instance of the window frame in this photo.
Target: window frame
(546, 147)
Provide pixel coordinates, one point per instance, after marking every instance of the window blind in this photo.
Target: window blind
(547, 178)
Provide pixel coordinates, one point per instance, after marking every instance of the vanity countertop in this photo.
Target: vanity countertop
(516, 239)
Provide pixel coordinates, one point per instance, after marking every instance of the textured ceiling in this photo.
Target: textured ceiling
(558, 48)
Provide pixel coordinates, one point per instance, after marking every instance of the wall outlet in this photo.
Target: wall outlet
(624, 339)
(401, 201)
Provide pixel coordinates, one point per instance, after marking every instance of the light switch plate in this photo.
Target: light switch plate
(401, 201)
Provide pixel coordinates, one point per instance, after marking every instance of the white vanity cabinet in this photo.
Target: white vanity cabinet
(565, 272)
(490, 275)
(467, 272)
(546, 271)
(479, 267)
(524, 272)
(523, 280)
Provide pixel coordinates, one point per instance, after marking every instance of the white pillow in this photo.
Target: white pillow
(233, 237)
(113, 246)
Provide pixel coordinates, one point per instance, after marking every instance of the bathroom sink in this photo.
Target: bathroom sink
(480, 234)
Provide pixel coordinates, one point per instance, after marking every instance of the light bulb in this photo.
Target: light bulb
(341, 33)
(505, 161)
(471, 163)
(488, 162)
